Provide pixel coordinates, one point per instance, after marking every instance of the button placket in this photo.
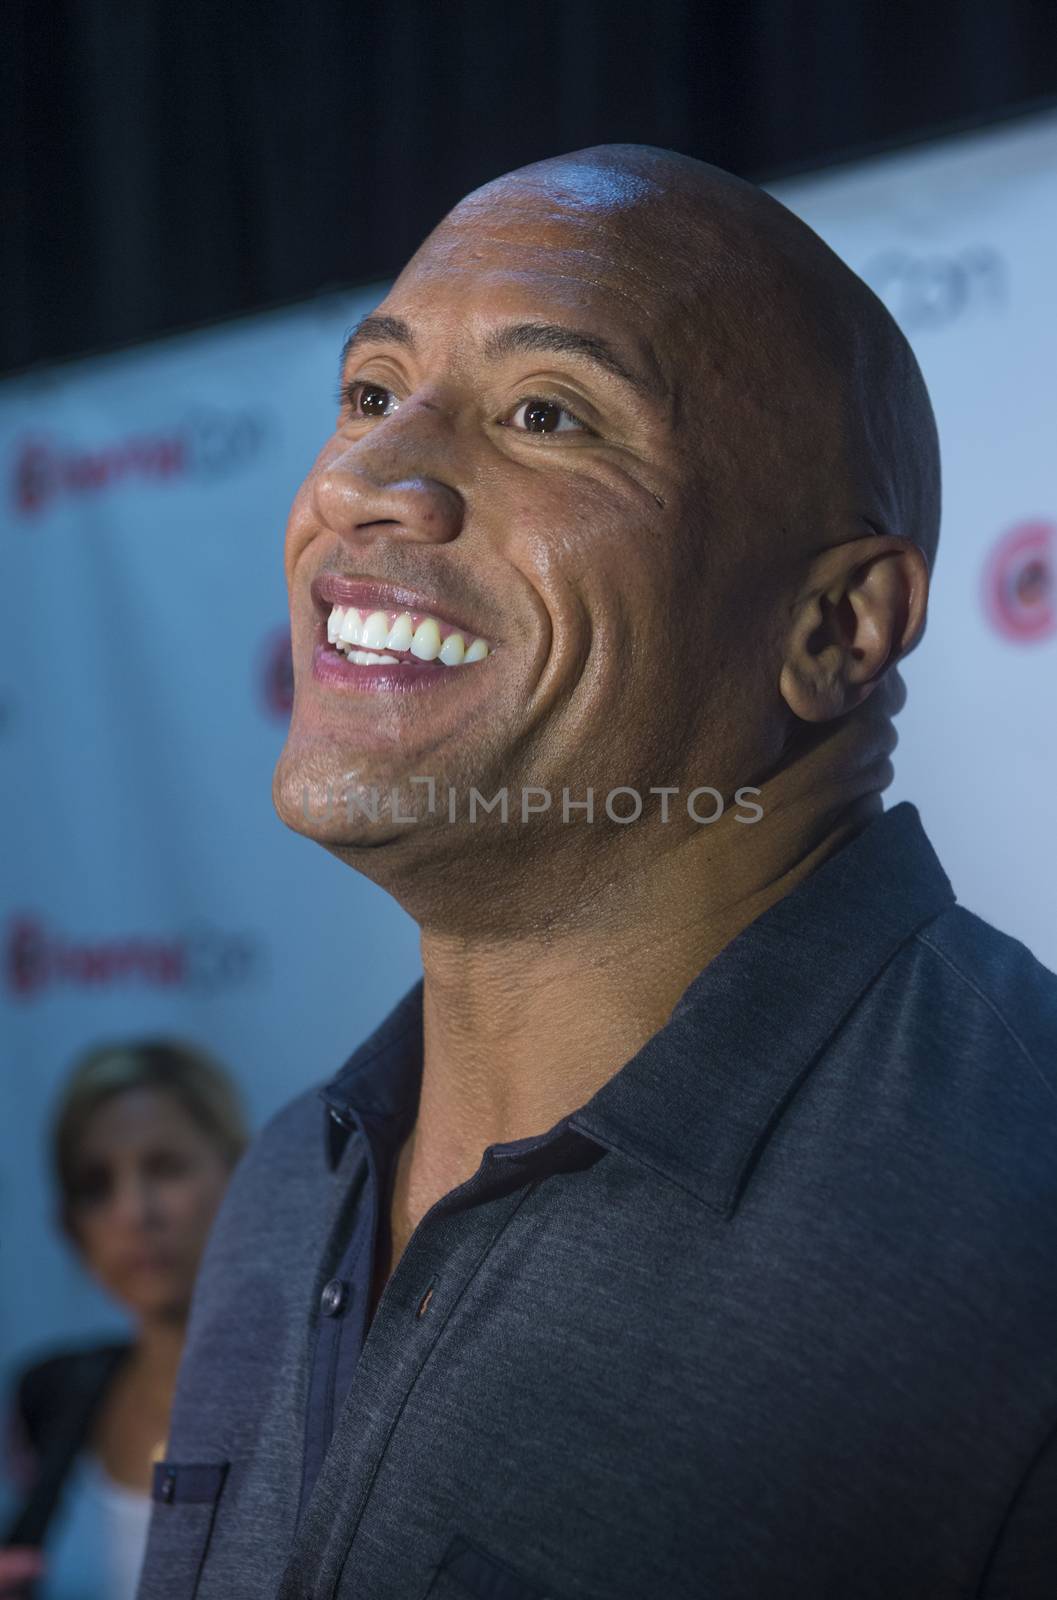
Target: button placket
(446, 1250)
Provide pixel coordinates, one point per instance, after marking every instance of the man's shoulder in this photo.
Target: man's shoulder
(937, 1107)
(958, 1040)
(998, 994)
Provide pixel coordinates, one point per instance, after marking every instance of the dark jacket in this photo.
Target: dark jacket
(56, 1400)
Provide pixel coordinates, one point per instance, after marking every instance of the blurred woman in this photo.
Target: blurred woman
(144, 1140)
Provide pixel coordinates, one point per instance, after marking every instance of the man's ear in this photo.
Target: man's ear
(862, 608)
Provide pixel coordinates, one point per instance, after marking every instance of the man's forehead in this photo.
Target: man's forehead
(511, 238)
(513, 262)
(631, 227)
(496, 280)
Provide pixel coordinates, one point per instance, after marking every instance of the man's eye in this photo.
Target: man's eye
(366, 399)
(541, 414)
(544, 416)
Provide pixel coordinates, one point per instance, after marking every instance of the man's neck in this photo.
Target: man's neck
(522, 1029)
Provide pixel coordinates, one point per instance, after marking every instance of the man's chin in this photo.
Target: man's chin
(344, 811)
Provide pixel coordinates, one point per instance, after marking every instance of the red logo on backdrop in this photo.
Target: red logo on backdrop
(1019, 585)
(203, 957)
(203, 444)
(278, 674)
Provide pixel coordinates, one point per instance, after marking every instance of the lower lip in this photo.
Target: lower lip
(386, 677)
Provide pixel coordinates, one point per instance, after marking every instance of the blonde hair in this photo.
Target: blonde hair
(190, 1074)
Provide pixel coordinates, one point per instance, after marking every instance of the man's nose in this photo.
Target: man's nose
(363, 499)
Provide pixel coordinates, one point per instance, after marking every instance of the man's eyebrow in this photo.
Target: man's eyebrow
(560, 340)
(553, 337)
(375, 330)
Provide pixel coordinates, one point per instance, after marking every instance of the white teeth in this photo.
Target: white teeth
(351, 629)
(368, 638)
(401, 633)
(453, 649)
(375, 631)
(426, 643)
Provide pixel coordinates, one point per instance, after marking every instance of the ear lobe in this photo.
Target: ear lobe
(814, 693)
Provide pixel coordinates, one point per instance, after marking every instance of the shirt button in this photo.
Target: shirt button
(333, 1298)
(168, 1486)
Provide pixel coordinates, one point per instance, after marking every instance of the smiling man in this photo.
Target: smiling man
(689, 1227)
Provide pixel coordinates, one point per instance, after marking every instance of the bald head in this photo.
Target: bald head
(812, 399)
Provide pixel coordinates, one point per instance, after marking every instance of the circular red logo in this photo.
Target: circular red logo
(1019, 587)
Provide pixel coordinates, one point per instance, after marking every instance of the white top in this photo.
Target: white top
(96, 1538)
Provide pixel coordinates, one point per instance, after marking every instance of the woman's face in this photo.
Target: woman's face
(146, 1185)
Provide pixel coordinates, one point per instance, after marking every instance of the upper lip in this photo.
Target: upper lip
(330, 589)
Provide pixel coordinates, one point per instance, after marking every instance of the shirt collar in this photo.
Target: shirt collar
(380, 1080)
(696, 1102)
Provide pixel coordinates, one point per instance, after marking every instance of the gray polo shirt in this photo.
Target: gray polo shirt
(773, 1314)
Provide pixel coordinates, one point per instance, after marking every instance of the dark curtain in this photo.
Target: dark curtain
(168, 164)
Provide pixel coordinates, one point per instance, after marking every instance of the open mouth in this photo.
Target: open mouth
(412, 639)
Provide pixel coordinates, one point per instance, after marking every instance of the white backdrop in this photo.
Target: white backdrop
(144, 680)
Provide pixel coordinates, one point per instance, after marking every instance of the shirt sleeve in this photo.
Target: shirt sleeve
(1023, 1564)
